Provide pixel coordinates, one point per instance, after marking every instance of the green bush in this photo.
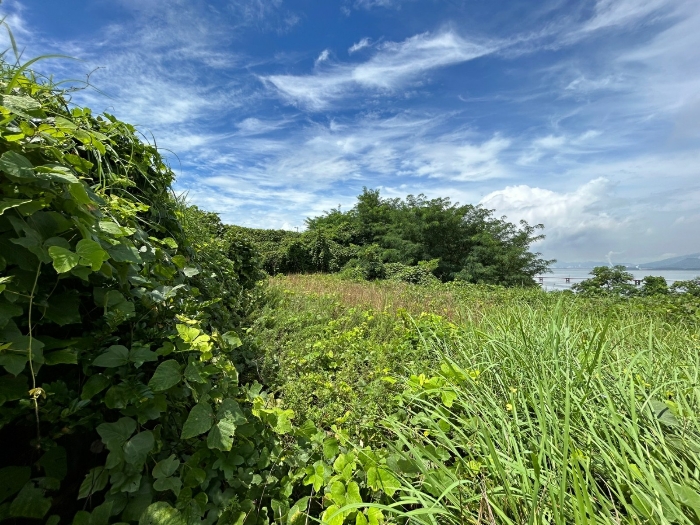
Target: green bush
(118, 324)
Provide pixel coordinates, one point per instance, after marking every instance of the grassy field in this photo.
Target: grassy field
(497, 405)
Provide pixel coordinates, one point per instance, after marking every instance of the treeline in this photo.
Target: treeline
(413, 239)
(617, 281)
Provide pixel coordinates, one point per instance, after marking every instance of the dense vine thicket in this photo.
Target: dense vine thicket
(116, 324)
(122, 314)
(407, 240)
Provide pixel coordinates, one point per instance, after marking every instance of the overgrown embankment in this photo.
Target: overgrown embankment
(512, 406)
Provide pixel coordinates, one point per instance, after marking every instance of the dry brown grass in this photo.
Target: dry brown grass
(380, 295)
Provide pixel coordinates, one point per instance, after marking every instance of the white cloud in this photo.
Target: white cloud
(565, 214)
(612, 13)
(579, 225)
(325, 54)
(255, 126)
(393, 65)
(457, 161)
(365, 42)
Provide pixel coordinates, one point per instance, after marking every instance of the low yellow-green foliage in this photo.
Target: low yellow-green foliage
(499, 405)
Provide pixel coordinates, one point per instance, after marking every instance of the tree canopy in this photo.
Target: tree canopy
(468, 242)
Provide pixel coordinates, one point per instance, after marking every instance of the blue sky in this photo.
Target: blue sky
(583, 115)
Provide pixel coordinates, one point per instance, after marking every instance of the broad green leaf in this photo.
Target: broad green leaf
(166, 467)
(95, 384)
(57, 173)
(231, 410)
(166, 376)
(188, 333)
(137, 448)
(448, 397)
(663, 413)
(194, 477)
(110, 227)
(12, 388)
(63, 260)
(12, 479)
(200, 420)
(142, 354)
(333, 516)
(161, 513)
(284, 420)
(375, 516)
(116, 355)
(30, 503)
(232, 340)
(315, 476)
(125, 252)
(360, 519)
(79, 193)
(221, 435)
(127, 480)
(17, 166)
(190, 272)
(95, 481)
(179, 261)
(174, 484)
(379, 478)
(330, 448)
(352, 494)
(6, 204)
(193, 372)
(337, 493)
(61, 357)
(79, 164)
(24, 106)
(101, 514)
(91, 254)
(114, 435)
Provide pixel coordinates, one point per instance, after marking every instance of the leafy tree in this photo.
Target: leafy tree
(691, 286)
(654, 285)
(468, 242)
(607, 280)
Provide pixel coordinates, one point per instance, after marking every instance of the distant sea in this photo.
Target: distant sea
(557, 279)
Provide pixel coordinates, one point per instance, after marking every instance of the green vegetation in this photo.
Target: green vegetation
(151, 374)
(513, 406)
(407, 240)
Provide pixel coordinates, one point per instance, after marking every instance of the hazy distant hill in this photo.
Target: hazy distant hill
(590, 264)
(684, 262)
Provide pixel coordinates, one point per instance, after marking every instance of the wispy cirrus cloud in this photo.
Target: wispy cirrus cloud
(392, 66)
(357, 46)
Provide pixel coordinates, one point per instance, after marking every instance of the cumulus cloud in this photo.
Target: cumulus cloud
(566, 214)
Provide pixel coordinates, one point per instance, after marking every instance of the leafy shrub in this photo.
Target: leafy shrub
(613, 280)
(120, 322)
(422, 273)
(283, 251)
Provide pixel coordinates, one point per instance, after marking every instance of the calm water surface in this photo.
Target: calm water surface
(557, 279)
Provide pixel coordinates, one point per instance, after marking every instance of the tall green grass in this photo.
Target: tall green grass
(553, 417)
